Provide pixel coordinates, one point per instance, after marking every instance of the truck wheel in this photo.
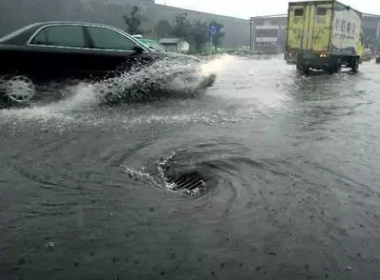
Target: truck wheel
(331, 69)
(355, 65)
(338, 67)
(335, 67)
(303, 70)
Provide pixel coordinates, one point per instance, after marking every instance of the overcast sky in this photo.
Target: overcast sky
(248, 8)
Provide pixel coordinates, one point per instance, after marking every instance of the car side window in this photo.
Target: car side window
(103, 38)
(40, 38)
(60, 36)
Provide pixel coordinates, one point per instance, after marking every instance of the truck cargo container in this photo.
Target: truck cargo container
(324, 35)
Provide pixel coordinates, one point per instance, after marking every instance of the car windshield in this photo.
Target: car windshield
(145, 45)
(155, 46)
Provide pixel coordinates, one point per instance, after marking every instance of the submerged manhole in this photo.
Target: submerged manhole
(178, 176)
(191, 183)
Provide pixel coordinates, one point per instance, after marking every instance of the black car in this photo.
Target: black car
(61, 51)
(378, 58)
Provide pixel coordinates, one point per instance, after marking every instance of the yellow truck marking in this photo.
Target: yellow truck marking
(307, 29)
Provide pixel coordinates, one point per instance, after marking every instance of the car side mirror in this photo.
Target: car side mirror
(138, 49)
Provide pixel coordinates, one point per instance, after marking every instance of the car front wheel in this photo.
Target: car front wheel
(18, 89)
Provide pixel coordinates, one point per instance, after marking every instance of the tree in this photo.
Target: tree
(182, 26)
(163, 28)
(134, 20)
(199, 34)
(195, 33)
(218, 36)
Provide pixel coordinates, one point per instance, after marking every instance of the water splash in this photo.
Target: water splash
(81, 96)
(218, 64)
(164, 79)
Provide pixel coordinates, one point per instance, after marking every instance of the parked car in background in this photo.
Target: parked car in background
(378, 58)
(175, 44)
(150, 43)
(59, 51)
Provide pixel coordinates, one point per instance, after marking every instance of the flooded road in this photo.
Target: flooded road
(288, 166)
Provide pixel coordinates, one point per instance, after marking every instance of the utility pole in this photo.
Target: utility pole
(377, 37)
(212, 32)
(210, 45)
(278, 36)
(212, 27)
(250, 37)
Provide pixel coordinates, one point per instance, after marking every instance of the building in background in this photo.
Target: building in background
(371, 28)
(268, 33)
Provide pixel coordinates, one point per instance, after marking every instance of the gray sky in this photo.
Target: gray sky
(248, 8)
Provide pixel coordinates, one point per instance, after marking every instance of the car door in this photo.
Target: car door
(112, 51)
(60, 51)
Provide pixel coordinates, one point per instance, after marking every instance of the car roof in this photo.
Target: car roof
(74, 23)
(22, 35)
(42, 23)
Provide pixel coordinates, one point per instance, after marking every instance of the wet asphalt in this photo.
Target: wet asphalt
(290, 164)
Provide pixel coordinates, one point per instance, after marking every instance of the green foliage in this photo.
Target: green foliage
(197, 33)
(134, 21)
(182, 27)
(163, 28)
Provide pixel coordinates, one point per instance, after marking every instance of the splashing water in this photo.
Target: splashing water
(217, 65)
(164, 79)
(82, 96)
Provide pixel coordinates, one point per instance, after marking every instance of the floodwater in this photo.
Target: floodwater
(289, 169)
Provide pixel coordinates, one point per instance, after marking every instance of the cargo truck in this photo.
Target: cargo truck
(324, 35)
